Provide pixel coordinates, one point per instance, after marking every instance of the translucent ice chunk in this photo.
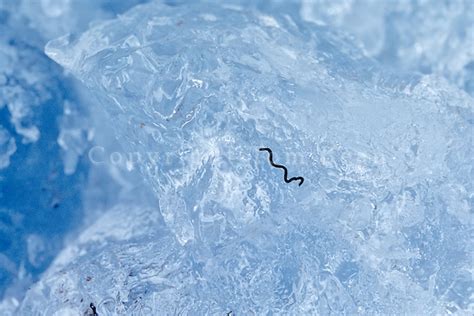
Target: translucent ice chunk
(417, 35)
(7, 147)
(39, 204)
(44, 132)
(53, 18)
(372, 230)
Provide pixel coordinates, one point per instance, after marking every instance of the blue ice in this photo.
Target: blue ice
(132, 182)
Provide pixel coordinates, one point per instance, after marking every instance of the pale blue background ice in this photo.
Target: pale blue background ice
(130, 175)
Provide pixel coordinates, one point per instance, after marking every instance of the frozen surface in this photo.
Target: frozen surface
(415, 35)
(39, 190)
(371, 103)
(44, 132)
(382, 224)
(53, 18)
(426, 36)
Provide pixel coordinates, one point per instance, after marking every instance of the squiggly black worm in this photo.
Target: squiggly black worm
(94, 311)
(301, 179)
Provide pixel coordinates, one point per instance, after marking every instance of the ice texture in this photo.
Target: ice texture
(7, 147)
(53, 18)
(38, 202)
(45, 129)
(416, 35)
(426, 36)
(381, 225)
(40, 180)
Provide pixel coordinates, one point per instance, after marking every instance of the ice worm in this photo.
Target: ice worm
(94, 311)
(301, 179)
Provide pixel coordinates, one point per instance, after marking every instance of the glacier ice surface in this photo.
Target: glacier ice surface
(38, 202)
(44, 132)
(382, 224)
(416, 35)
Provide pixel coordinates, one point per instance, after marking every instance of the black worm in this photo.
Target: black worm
(301, 179)
(94, 311)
